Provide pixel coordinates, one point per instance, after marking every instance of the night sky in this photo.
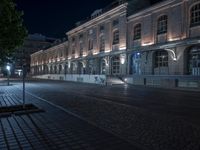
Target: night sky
(53, 18)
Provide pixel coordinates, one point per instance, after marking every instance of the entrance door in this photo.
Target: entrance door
(115, 69)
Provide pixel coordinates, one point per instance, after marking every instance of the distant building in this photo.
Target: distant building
(143, 44)
(32, 44)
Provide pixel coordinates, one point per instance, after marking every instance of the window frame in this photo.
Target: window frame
(195, 15)
(115, 37)
(137, 31)
(160, 59)
(162, 25)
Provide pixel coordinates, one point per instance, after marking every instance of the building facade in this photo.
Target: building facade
(153, 45)
(32, 44)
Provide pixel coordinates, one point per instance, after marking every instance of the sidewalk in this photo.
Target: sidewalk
(52, 129)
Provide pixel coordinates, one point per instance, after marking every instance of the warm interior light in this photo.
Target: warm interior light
(174, 39)
(122, 60)
(147, 44)
(122, 48)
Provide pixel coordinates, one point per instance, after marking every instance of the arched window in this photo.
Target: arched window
(162, 24)
(116, 37)
(195, 15)
(137, 32)
(194, 61)
(102, 43)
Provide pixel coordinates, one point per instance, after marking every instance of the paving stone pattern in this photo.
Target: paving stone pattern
(149, 130)
(53, 129)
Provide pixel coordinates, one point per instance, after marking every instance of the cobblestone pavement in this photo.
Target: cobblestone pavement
(52, 129)
(153, 119)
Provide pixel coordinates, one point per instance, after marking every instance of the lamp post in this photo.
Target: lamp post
(23, 80)
(8, 74)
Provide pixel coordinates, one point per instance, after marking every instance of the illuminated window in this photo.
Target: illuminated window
(116, 37)
(195, 15)
(162, 25)
(137, 32)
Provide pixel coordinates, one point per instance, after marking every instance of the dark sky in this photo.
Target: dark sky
(53, 18)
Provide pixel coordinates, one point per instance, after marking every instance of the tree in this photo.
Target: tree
(12, 30)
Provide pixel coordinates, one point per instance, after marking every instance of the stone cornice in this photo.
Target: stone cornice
(114, 12)
(155, 8)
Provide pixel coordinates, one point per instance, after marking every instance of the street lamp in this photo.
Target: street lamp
(8, 73)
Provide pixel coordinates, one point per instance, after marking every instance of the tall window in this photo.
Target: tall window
(81, 48)
(115, 65)
(137, 32)
(102, 43)
(161, 59)
(162, 24)
(195, 15)
(116, 37)
(101, 29)
(90, 44)
(73, 46)
(194, 61)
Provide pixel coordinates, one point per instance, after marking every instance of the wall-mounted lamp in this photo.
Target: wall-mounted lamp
(174, 57)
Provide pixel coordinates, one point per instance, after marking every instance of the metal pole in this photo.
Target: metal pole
(8, 78)
(23, 79)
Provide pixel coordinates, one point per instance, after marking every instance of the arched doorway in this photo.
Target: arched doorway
(73, 68)
(45, 69)
(115, 65)
(194, 60)
(103, 66)
(90, 68)
(161, 62)
(55, 69)
(81, 68)
(135, 64)
(60, 69)
(51, 69)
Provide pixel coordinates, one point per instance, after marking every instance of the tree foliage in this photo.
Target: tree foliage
(12, 30)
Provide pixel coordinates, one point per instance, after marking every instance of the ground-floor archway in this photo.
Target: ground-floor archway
(161, 62)
(193, 60)
(115, 65)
